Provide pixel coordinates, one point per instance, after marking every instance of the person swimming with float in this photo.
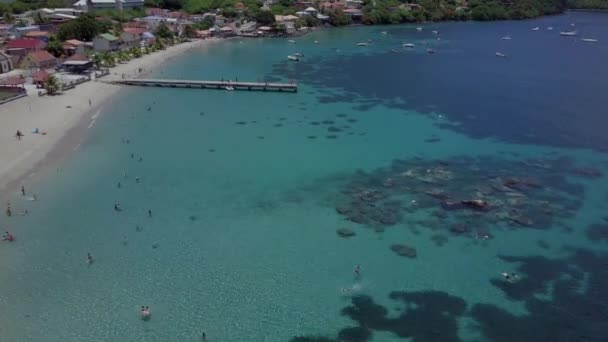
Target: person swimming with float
(8, 237)
(145, 313)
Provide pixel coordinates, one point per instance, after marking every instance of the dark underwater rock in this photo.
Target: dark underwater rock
(404, 251)
(345, 232)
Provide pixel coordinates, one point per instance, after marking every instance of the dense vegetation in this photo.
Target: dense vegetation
(588, 4)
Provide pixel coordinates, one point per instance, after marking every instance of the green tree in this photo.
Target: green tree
(135, 51)
(189, 32)
(97, 60)
(265, 18)
(206, 23)
(83, 28)
(52, 85)
(163, 31)
(55, 47)
(39, 19)
(338, 18)
(109, 59)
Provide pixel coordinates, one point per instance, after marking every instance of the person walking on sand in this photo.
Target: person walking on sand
(22, 190)
(9, 213)
(89, 102)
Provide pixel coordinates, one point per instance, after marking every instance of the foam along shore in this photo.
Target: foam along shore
(57, 115)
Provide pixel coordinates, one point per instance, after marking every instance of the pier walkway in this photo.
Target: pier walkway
(226, 85)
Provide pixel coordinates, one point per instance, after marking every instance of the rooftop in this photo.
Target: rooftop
(108, 36)
(41, 56)
(24, 44)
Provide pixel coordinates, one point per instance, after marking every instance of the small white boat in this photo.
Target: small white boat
(362, 44)
(573, 24)
(229, 88)
(550, 28)
(506, 38)
(418, 29)
(384, 32)
(292, 41)
(293, 58)
(589, 40)
(316, 42)
(431, 51)
(536, 28)
(500, 54)
(568, 33)
(395, 51)
(298, 54)
(435, 32)
(408, 45)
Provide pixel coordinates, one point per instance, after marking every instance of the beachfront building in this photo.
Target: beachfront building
(22, 31)
(354, 14)
(22, 47)
(59, 15)
(41, 35)
(288, 21)
(39, 77)
(131, 37)
(106, 42)
(77, 64)
(73, 46)
(6, 63)
(39, 60)
(85, 5)
(5, 30)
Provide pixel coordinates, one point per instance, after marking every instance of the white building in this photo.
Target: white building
(107, 4)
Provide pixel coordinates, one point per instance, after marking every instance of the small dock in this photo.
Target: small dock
(224, 85)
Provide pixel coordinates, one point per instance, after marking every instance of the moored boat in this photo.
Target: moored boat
(589, 40)
(408, 45)
(293, 58)
(568, 33)
(500, 54)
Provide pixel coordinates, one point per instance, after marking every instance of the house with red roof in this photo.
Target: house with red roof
(21, 47)
(39, 59)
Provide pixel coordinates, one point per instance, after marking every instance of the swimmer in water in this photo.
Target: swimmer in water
(89, 258)
(204, 337)
(117, 207)
(510, 277)
(136, 179)
(149, 213)
(358, 270)
(145, 313)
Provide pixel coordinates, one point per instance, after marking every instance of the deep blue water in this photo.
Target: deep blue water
(550, 90)
(449, 168)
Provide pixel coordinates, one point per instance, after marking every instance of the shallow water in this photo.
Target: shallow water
(243, 189)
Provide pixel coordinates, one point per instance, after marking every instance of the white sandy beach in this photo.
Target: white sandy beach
(20, 160)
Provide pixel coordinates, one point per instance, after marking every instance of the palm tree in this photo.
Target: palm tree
(52, 85)
(123, 56)
(135, 51)
(108, 59)
(97, 60)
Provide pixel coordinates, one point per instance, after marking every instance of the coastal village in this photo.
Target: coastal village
(35, 59)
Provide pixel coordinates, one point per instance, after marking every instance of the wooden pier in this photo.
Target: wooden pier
(224, 85)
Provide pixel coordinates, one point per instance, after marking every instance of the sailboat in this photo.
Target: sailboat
(568, 33)
(589, 40)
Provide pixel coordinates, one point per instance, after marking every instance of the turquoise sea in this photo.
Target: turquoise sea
(450, 169)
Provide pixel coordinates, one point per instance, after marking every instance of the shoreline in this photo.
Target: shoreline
(65, 118)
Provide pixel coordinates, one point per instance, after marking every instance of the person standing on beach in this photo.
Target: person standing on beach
(9, 213)
(22, 190)
(89, 102)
